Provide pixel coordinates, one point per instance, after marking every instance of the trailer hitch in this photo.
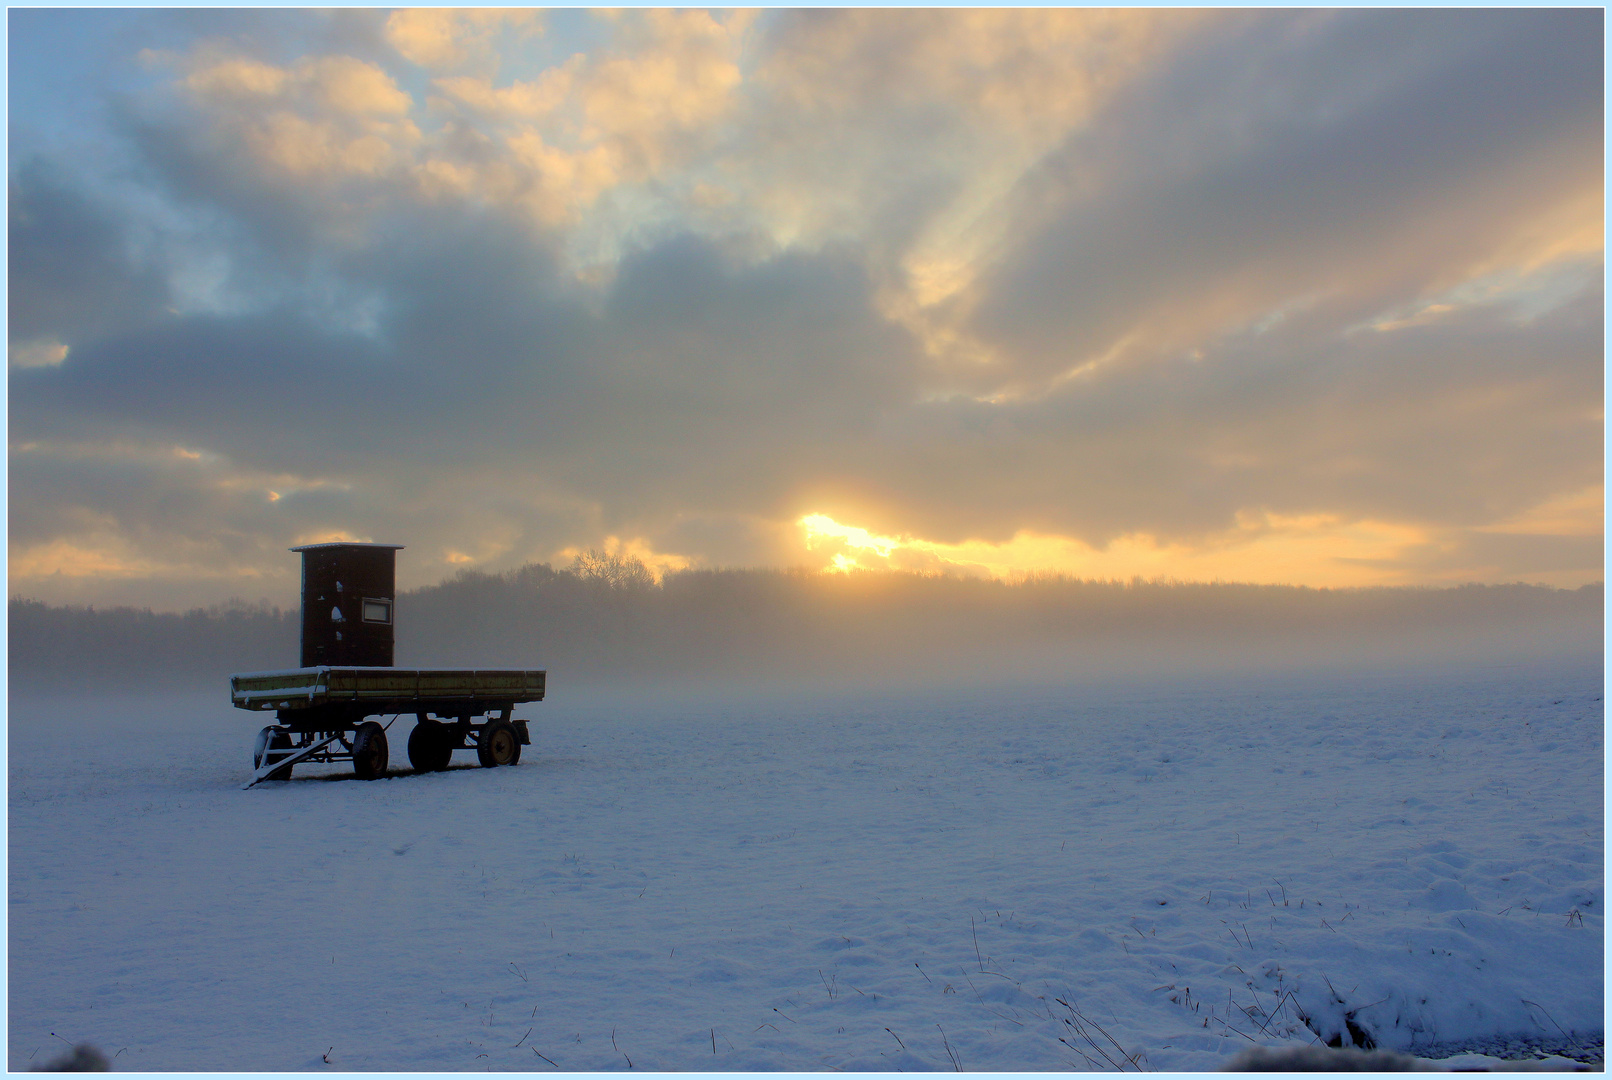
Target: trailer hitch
(300, 754)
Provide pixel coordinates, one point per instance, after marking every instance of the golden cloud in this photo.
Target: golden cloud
(439, 38)
(237, 76)
(354, 87)
(1321, 550)
(42, 352)
(323, 116)
(534, 99)
(106, 556)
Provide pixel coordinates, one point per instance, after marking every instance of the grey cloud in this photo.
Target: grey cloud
(706, 397)
(705, 388)
(1367, 152)
(71, 272)
(464, 327)
(725, 539)
(756, 371)
(700, 384)
(233, 384)
(1454, 424)
(272, 233)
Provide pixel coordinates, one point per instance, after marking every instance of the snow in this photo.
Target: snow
(279, 693)
(280, 673)
(999, 880)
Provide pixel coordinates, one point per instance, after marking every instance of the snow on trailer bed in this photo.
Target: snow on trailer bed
(316, 707)
(307, 687)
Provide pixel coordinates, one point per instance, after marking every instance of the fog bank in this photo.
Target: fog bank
(606, 623)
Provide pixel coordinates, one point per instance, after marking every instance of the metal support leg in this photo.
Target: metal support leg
(301, 754)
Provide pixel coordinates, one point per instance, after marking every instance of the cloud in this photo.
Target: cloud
(445, 38)
(482, 378)
(1010, 75)
(535, 99)
(1198, 203)
(40, 352)
(1079, 286)
(324, 117)
(652, 101)
(549, 147)
(72, 270)
(1452, 424)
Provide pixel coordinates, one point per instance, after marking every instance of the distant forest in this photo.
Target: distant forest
(606, 620)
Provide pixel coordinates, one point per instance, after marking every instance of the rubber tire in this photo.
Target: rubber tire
(369, 751)
(430, 746)
(499, 744)
(268, 741)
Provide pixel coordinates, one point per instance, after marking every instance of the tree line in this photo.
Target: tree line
(607, 620)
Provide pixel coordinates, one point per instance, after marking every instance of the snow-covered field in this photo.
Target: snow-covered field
(1130, 875)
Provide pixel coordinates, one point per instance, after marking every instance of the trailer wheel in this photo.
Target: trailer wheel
(498, 745)
(369, 751)
(430, 746)
(269, 741)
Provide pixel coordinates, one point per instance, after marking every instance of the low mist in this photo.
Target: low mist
(606, 623)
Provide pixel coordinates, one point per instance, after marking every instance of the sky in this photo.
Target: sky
(1303, 297)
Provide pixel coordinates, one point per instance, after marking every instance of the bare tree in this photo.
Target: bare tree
(617, 571)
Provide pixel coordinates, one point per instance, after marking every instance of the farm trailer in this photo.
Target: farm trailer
(316, 708)
(323, 708)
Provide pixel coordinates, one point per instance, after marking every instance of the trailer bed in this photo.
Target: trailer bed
(410, 689)
(317, 707)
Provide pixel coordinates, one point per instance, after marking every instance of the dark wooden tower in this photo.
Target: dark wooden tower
(347, 604)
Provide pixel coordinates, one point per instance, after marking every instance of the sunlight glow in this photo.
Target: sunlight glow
(659, 563)
(1319, 550)
(820, 527)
